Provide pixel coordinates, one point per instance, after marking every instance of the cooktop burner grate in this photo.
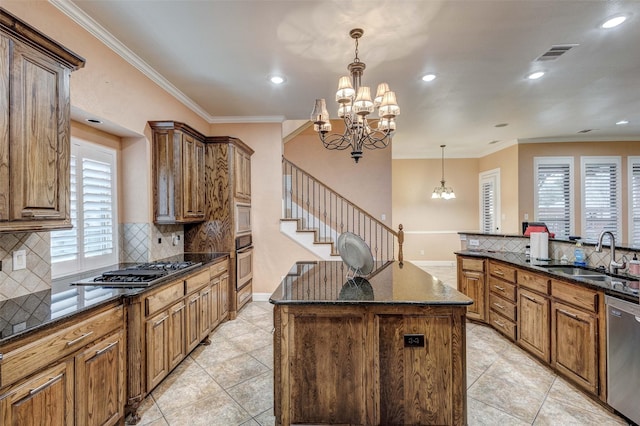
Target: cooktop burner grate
(141, 275)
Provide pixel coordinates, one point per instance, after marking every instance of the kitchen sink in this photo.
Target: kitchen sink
(577, 272)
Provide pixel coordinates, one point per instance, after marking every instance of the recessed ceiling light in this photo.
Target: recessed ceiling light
(622, 122)
(277, 79)
(93, 121)
(535, 75)
(428, 77)
(614, 22)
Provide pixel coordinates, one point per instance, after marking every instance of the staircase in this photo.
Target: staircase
(315, 215)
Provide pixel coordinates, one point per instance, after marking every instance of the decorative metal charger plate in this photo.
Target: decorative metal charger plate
(355, 252)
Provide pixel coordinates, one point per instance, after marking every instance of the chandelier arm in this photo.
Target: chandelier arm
(336, 141)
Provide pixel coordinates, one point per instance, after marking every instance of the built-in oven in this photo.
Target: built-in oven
(244, 270)
(243, 219)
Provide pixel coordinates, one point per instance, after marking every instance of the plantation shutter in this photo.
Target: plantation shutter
(634, 201)
(601, 209)
(554, 194)
(487, 190)
(97, 203)
(64, 244)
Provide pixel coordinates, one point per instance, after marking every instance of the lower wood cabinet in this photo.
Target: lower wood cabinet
(100, 382)
(575, 345)
(46, 398)
(471, 282)
(533, 323)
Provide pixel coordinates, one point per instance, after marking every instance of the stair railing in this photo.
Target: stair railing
(319, 208)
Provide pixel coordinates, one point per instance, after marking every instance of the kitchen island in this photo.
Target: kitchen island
(388, 348)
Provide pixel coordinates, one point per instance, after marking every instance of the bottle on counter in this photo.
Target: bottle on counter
(634, 265)
(578, 253)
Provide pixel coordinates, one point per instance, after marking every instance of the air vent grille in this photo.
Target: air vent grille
(555, 52)
(586, 130)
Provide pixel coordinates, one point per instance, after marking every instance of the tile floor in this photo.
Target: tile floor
(230, 382)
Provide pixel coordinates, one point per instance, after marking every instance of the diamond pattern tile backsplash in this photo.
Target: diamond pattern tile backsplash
(36, 276)
(144, 242)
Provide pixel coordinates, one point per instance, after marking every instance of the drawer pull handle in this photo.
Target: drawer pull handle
(498, 305)
(84, 336)
(499, 273)
(106, 348)
(499, 288)
(46, 384)
(500, 324)
(530, 298)
(569, 314)
(160, 321)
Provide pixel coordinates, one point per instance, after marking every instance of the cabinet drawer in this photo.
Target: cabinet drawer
(218, 268)
(164, 297)
(504, 307)
(502, 288)
(25, 360)
(503, 325)
(533, 282)
(197, 281)
(502, 271)
(473, 264)
(244, 295)
(576, 295)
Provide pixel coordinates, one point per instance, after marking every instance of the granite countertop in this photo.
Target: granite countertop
(27, 313)
(325, 282)
(618, 286)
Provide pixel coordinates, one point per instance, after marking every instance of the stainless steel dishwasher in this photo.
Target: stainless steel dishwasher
(623, 356)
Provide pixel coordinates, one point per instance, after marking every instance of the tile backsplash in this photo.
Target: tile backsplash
(138, 242)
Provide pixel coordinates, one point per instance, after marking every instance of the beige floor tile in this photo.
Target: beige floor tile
(236, 370)
(481, 414)
(267, 418)
(219, 351)
(251, 341)
(150, 414)
(264, 355)
(256, 395)
(566, 393)
(218, 410)
(554, 412)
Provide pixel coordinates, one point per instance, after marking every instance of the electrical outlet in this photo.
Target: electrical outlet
(474, 242)
(19, 260)
(383, 216)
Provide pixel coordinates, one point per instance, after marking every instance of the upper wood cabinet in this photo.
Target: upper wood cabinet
(34, 128)
(178, 173)
(242, 173)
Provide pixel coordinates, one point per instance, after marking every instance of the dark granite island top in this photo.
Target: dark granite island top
(325, 282)
(385, 349)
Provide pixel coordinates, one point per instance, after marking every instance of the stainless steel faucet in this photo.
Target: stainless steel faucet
(613, 264)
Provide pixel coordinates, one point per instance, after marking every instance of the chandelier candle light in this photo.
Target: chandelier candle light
(443, 191)
(354, 104)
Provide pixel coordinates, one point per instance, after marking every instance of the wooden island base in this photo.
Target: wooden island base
(372, 364)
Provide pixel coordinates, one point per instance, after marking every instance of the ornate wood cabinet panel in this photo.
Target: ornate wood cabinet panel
(100, 382)
(177, 324)
(157, 349)
(471, 281)
(178, 173)
(34, 128)
(242, 173)
(533, 323)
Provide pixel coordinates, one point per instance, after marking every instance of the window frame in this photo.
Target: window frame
(490, 176)
(85, 149)
(559, 160)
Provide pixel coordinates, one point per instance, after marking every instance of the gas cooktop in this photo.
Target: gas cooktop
(141, 275)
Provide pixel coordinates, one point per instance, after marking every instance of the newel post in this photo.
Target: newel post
(400, 242)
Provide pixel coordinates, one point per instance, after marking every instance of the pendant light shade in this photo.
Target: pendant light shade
(443, 191)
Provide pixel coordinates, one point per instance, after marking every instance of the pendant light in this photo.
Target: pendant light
(443, 191)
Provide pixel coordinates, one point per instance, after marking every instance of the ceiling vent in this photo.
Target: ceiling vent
(555, 52)
(586, 130)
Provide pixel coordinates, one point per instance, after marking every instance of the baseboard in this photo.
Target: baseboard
(426, 263)
(261, 297)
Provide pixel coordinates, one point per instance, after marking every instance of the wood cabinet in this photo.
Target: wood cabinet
(100, 382)
(472, 283)
(352, 365)
(242, 175)
(178, 173)
(533, 323)
(576, 349)
(34, 128)
(502, 298)
(71, 373)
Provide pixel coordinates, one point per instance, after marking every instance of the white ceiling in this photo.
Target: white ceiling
(219, 53)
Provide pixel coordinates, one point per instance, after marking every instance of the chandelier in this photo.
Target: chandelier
(354, 105)
(443, 191)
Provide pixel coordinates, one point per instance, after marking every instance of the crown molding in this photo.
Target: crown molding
(247, 119)
(98, 31)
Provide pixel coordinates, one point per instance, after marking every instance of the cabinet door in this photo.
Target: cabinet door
(163, 188)
(39, 137)
(206, 312)
(472, 285)
(193, 321)
(224, 296)
(575, 345)
(46, 399)
(177, 326)
(533, 323)
(4, 127)
(157, 349)
(100, 382)
(242, 175)
(192, 178)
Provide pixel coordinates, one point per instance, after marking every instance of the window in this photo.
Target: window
(634, 201)
(553, 195)
(490, 201)
(92, 242)
(601, 210)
